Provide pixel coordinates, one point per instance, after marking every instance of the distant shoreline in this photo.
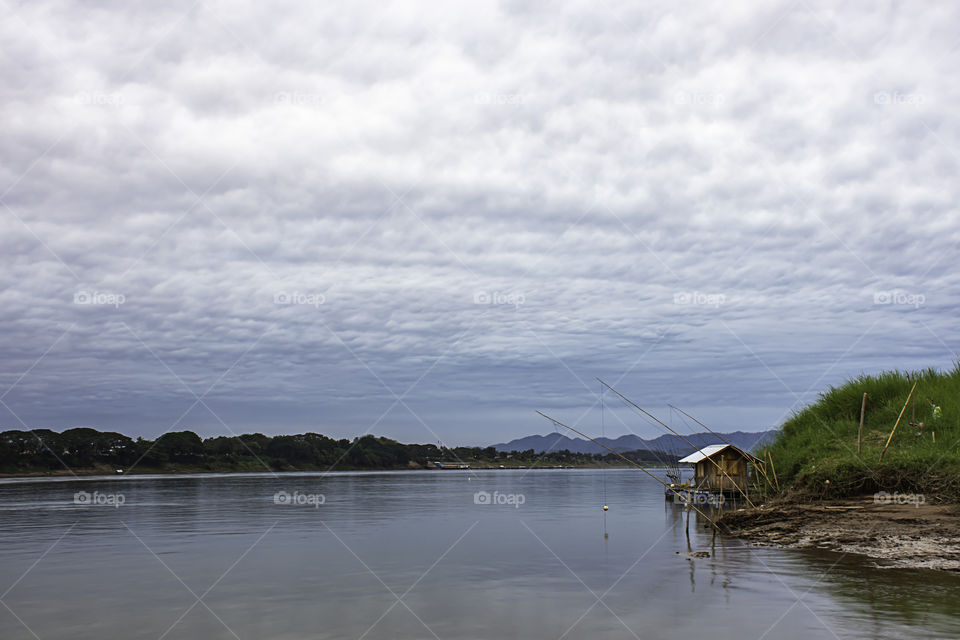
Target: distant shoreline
(86, 451)
(64, 473)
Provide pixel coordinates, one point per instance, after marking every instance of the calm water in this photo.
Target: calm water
(413, 555)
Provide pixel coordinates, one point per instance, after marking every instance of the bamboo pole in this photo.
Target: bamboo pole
(773, 469)
(666, 426)
(721, 485)
(768, 482)
(898, 420)
(617, 453)
(761, 467)
(725, 441)
(863, 407)
(758, 467)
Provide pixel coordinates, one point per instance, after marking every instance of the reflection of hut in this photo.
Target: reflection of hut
(720, 467)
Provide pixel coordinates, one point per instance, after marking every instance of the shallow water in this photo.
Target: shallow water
(419, 555)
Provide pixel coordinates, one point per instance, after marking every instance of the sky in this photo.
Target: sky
(429, 220)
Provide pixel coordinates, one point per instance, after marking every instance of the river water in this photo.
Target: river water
(435, 554)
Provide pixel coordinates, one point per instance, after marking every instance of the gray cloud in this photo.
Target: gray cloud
(304, 211)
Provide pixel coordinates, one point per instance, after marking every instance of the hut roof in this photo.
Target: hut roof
(711, 450)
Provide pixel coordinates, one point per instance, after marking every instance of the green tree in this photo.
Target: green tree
(180, 446)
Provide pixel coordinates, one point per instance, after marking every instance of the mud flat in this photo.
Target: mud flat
(920, 536)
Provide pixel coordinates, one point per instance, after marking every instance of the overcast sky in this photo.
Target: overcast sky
(428, 220)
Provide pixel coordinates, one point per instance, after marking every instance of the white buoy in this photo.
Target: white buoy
(605, 507)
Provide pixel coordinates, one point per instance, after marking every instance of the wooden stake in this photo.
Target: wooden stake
(898, 421)
(761, 467)
(773, 470)
(863, 407)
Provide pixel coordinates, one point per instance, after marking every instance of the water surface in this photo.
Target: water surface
(422, 555)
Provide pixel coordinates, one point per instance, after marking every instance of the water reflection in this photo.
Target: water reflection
(395, 555)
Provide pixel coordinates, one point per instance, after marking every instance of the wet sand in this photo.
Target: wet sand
(897, 535)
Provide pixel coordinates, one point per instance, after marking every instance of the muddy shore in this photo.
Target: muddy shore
(918, 536)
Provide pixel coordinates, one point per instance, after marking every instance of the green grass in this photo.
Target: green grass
(819, 443)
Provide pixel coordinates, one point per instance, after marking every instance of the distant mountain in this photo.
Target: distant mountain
(668, 443)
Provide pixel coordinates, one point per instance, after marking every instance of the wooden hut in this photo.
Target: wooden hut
(721, 468)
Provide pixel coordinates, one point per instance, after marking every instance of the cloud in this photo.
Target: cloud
(309, 214)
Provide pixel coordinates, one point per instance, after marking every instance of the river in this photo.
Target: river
(435, 554)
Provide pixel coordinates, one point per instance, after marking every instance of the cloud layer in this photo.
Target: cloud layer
(429, 219)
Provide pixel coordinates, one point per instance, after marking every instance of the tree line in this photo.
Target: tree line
(87, 448)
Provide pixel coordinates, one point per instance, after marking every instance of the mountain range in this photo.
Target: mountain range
(668, 443)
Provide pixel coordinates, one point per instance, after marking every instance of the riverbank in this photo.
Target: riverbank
(894, 532)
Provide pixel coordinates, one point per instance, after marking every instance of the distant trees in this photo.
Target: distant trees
(180, 446)
(81, 447)
(85, 448)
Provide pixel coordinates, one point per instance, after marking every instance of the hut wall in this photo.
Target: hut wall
(708, 476)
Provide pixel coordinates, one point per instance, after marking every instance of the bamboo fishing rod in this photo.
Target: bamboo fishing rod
(695, 447)
(760, 467)
(701, 424)
(638, 466)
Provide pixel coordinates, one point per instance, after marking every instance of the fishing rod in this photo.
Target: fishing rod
(695, 447)
(603, 434)
(701, 424)
(666, 426)
(617, 453)
(758, 466)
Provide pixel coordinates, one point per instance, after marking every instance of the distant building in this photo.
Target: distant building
(436, 464)
(721, 467)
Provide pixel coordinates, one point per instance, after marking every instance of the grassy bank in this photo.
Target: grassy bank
(815, 455)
